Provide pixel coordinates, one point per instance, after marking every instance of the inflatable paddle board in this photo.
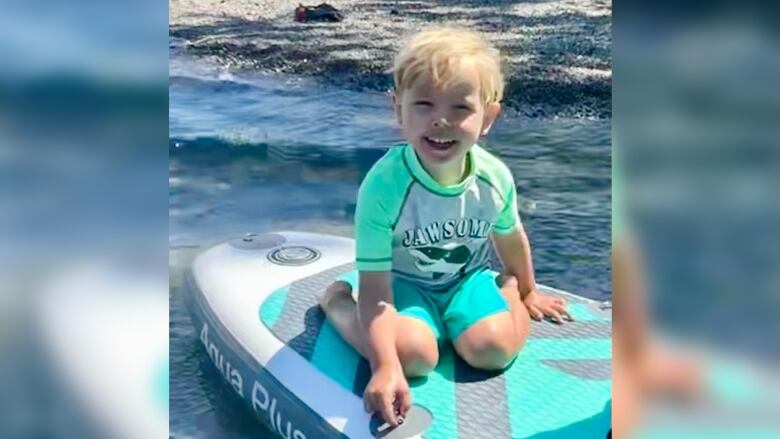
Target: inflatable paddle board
(253, 302)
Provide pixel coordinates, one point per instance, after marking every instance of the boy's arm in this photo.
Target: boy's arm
(514, 250)
(388, 391)
(377, 208)
(377, 318)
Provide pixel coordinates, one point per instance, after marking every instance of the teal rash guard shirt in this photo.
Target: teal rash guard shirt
(426, 233)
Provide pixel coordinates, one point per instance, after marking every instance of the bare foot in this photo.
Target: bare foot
(336, 295)
(341, 311)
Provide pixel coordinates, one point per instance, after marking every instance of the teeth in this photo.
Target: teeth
(433, 139)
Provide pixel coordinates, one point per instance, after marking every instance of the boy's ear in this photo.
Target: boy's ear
(395, 101)
(491, 113)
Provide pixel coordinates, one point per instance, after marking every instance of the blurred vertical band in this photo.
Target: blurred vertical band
(697, 140)
(83, 218)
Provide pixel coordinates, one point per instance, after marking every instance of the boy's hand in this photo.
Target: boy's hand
(541, 306)
(388, 393)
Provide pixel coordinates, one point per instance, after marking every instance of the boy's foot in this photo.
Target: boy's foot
(341, 311)
(337, 294)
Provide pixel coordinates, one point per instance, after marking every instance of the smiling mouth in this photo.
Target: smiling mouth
(439, 143)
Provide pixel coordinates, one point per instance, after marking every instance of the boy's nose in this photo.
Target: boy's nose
(440, 122)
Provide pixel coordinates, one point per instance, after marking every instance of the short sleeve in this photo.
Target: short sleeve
(373, 230)
(508, 218)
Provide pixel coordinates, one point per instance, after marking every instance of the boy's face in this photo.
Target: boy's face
(443, 123)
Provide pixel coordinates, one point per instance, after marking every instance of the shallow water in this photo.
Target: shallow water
(260, 153)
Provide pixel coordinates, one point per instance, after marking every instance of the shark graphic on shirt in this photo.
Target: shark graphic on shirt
(449, 258)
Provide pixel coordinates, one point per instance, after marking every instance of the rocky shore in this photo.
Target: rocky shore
(558, 52)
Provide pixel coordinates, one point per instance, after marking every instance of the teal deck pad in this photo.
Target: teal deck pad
(558, 387)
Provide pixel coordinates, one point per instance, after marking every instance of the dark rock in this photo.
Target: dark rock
(321, 12)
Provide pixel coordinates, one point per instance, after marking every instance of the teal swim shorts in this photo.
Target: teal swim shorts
(450, 312)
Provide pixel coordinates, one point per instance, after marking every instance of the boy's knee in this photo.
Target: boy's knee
(507, 281)
(489, 356)
(417, 353)
(488, 349)
(417, 364)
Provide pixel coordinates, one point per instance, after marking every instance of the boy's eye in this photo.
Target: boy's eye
(463, 107)
(423, 103)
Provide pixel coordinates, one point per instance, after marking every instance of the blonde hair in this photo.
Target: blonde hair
(443, 53)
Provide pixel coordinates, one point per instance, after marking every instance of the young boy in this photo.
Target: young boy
(424, 214)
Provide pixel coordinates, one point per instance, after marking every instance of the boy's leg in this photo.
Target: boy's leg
(488, 334)
(415, 341)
